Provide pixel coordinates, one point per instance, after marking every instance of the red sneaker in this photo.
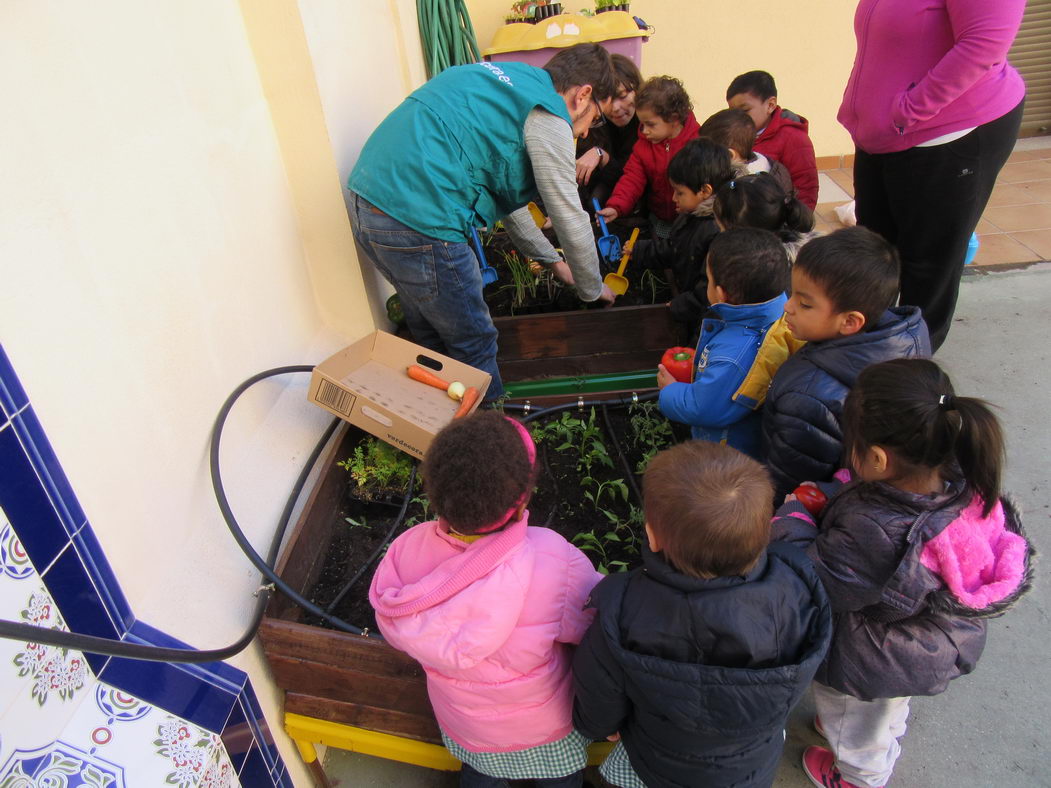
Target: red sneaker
(820, 766)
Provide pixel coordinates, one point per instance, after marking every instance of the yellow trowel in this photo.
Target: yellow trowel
(617, 282)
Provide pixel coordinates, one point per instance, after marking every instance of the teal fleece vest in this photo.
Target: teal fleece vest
(452, 156)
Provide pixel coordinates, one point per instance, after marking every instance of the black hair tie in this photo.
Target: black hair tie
(947, 402)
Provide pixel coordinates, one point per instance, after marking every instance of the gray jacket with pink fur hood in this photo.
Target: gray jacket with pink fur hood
(912, 579)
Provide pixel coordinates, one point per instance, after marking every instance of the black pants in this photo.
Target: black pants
(927, 202)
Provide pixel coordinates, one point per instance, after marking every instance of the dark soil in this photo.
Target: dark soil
(608, 529)
(541, 293)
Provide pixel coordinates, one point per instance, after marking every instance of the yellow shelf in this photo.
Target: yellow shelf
(564, 30)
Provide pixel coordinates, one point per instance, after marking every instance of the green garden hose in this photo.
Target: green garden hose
(447, 34)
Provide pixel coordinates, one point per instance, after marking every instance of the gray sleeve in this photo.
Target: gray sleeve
(552, 152)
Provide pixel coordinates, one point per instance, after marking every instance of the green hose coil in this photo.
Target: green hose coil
(447, 34)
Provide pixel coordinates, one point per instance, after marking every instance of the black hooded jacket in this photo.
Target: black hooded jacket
(698, 676)
(802, 438)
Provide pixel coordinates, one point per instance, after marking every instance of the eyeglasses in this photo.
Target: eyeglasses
(600, 120)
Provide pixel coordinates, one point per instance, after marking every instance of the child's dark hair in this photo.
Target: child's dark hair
(583, 64)
(750, 265)
(759, 201)
(907, 406)
(666, 98)
(709, 507)
(731, 128)
(857, 269)
(475, 470)
(626, 73)
(700, 163)
(758, 83)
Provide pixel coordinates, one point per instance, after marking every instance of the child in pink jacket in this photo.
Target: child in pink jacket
(490, 607)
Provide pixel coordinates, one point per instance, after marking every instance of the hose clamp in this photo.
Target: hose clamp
(580, 403)
(634, 398)
(527, 407)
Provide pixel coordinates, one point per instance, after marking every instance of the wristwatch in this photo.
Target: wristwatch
(600, 152)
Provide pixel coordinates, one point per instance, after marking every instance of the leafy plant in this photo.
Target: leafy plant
(425, 515)
(607, 489)
(650, 431)
(377, 469)
(362, 523)
(582, 436)
(651, 281)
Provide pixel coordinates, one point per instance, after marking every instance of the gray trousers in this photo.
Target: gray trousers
(862, 734)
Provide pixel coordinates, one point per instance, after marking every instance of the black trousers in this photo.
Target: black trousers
(927, 202)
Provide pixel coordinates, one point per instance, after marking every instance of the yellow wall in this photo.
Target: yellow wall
(808, 47)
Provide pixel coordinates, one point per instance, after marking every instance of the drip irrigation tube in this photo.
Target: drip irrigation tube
(620, 453)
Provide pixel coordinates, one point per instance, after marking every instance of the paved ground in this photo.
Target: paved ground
(990, 728)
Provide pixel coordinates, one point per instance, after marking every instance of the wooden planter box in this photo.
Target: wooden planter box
(342, 679)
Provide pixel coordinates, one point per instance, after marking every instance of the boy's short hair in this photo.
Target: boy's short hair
(475, 470)
(709, 506)
(626, 73)
(751, 265)
(700, 163)
(583, 64)
(759, 83)
(665, 97)
(731, 128)
(858, 270)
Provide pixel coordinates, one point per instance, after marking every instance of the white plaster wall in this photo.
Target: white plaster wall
(151, 261)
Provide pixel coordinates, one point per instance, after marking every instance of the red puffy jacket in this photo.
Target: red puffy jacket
(785, 138)
(648, 167)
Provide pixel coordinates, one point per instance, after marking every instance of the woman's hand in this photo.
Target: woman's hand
(586, 165)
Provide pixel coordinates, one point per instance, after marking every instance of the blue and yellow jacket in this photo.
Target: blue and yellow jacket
(740, 348)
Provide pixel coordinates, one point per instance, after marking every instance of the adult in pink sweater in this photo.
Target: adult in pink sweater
(934, 109)
(490, 606)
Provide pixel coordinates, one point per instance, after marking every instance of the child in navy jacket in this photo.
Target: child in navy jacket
(915, 555)
(743, 341)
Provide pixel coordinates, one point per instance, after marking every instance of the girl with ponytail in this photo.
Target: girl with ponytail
(915, 553)
(760, 201)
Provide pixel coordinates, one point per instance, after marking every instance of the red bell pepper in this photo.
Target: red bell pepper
(811, 497)
(679, 362)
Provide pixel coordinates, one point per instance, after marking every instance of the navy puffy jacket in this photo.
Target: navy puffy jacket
(699, 676)
(802, 439)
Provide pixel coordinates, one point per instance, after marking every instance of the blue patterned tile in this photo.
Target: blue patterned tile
(69, 584)
(12, 395)
(255, 771)
(52, 477)
(99, 570)
(238, 736)
(27, 506)
(173, 688)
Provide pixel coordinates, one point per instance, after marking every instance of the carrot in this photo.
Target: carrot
(470, 396)
(423, 376)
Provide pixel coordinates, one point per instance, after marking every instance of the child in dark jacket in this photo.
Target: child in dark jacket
(696, 658)
(781, 135)
(694, 174)
(915, 555)
(843, 286)
(666, 124)
(759, 201)
(744, 339)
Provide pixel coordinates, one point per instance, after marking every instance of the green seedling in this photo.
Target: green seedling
(377, 469)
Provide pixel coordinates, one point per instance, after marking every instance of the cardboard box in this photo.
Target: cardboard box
(366, 384)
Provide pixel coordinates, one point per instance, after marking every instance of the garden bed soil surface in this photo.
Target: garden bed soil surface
(587, 490)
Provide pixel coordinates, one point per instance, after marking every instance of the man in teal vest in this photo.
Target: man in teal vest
(471, 147)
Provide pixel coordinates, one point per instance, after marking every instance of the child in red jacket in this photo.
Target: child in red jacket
(782, 134)
(666, 124)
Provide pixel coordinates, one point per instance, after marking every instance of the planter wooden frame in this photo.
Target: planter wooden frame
(356, 692)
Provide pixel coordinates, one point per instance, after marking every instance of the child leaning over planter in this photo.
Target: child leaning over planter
(915, 556)
(744, 339)
(694, 174)
(696, 658)
(666, 124)
(490, 607)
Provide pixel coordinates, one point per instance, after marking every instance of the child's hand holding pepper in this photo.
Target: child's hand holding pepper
(664, 377)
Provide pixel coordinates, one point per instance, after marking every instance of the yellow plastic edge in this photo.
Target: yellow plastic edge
(383, 745)
(524, 37)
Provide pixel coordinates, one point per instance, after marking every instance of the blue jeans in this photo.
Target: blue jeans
(472, 778)
(440, 287)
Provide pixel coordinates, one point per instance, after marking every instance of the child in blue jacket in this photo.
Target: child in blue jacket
(743, 341)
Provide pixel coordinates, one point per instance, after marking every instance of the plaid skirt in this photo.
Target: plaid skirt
(554, 759)
(616, 769)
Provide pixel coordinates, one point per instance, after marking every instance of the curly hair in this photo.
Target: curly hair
(476, 469)
(665, 97)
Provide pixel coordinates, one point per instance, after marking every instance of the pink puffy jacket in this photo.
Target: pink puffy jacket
(490, 623)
